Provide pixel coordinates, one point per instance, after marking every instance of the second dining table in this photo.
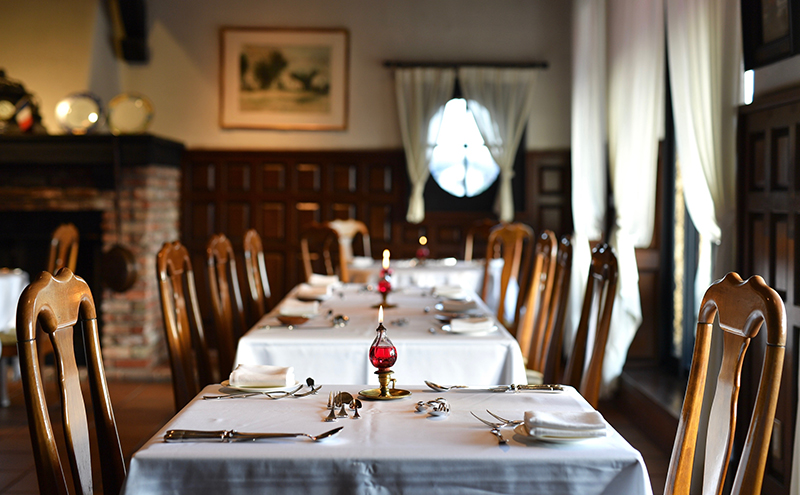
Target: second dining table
(426, 350)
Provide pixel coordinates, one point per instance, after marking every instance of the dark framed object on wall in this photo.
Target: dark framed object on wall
(770, 31)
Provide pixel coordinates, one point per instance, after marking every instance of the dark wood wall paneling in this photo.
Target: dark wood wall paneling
(768, 218)
(280, 192)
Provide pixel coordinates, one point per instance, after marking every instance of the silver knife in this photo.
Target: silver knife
(235, 436)
(518, 388)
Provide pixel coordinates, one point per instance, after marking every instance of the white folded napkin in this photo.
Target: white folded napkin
(262, 375)
(306, 291)
(571, 424)
(451, 291)
(362, 261)
(318, 280)
(458, 306)
(293, 307)
(471, 325)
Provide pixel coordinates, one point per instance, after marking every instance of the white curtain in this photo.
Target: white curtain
(588, 147)
(421, 94)
(705, 63)
(501, 101)
(635, 125)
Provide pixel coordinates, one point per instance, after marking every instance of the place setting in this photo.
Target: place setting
(560, 426)
(259, 380)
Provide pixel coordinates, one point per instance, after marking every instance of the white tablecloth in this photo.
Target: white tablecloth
(12, 282)
(392, 449)
(340, 354)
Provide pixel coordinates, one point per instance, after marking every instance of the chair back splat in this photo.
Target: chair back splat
(478, 233)
(226, 301)
(598, 302)
(63, 248)
(257, 281)
(186, 340)
(349, 230)
(319, 245)
(515, 242)
(552, 367)
(533, 332)
(743, 309)
(58, 303)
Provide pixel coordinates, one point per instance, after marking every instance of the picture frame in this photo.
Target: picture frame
(770, 31)
(284, 78)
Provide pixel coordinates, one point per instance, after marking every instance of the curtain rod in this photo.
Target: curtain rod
(390, 64)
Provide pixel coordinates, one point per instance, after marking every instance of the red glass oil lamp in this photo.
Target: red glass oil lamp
(423, 252)
(385, 282)
(383, 355)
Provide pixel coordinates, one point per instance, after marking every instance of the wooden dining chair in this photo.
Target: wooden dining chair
(57, 304)
(552, 366)
(598, 302)
(743, 308)
(256, 270)
(226, 301)
(478, 231)
(63, 248)
(63, 252)
(186, 340)
(349, 230)
(533, 332)
(515, 243)
(319, 245)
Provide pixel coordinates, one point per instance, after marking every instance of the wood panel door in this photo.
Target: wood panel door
(768, 217)
(279, 194)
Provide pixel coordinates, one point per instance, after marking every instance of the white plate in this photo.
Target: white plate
(129, 113)
(448, 329)
(522, 430)
(226, 384)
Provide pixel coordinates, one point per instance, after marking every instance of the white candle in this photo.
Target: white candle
(385, 262)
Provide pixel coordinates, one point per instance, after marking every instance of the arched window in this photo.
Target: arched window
(461, 162)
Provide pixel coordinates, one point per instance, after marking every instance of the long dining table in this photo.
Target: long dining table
(425, 350)
(438, 271)
(392, 448)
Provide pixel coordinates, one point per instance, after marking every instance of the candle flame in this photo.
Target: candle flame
(385, 262)
(423, 240)
(380, 314)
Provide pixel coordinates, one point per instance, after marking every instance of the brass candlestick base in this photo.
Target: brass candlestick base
(384, 392)
(385, 304)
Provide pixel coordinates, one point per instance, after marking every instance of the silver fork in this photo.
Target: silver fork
(507, 422)
(492, 424)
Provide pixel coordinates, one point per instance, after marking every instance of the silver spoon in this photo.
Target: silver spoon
(442, 388)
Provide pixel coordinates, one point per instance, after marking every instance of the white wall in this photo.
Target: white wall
(56, 48)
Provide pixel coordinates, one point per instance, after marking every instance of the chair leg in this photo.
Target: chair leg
(4, 400)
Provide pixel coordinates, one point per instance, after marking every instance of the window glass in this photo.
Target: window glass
(461, 163)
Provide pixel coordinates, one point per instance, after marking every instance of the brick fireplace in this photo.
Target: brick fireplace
(62, 177)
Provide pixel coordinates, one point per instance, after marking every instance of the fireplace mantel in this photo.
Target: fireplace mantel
(62, 160)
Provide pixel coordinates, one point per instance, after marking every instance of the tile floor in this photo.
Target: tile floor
(141, 408)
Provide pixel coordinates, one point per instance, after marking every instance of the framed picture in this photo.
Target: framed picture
(770, 31)
(283, 78)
